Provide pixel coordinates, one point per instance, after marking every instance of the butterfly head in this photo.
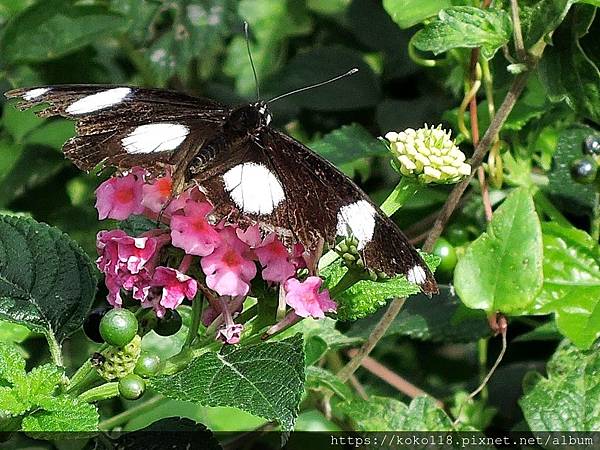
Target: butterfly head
(253, 116)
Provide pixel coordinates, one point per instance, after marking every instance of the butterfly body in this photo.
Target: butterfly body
(250, 172)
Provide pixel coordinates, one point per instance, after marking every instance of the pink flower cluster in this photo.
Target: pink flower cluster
(228, 254)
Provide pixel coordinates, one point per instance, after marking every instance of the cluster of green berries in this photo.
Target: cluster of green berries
(585, 170)
(348, 251)
(124, 360)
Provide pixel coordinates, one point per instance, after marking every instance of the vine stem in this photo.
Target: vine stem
(378, 332)
(125, 416)
(485, 144)
(595, 228)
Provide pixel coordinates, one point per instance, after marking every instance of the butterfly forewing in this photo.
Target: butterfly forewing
(124, 126)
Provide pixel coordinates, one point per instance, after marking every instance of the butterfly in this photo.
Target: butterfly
(249, 171)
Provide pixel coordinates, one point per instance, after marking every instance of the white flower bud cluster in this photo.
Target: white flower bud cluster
(429, 154)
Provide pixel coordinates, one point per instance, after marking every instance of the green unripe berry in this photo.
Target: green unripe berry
(445, 251)
(118, 327)
(147, 365)
(132, 387)
(584, 170)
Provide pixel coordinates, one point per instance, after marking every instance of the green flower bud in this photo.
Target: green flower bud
(428, 154)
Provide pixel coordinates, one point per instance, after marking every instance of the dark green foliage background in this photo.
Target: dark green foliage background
(198, 47)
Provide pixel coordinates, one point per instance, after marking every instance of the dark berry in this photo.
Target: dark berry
(584, 170)
(91, 326)
(591, 145)
(169, 324)
(131, 387)
(118, 327)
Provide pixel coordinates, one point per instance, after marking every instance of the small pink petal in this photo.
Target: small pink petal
(192, 232)
(305, 298)
(119, 197)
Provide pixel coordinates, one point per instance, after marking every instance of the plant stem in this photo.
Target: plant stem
(405, 189)
(55, 349)
(482, 349)
(517, 34)
(595, 226)
(102, 392)
(125, 416)
(192, 334)
(377, 333)
(486, 142)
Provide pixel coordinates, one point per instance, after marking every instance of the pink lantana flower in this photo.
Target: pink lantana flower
(250, 236)
(157, 193)
(175, 286)
(230, 334)
(120, 196)
(136, 252)
(305, 298)
(108, 250)
(275, 259)
(192, 232)
(229, 269)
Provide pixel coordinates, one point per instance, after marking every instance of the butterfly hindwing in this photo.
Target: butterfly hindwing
(275, 181)
(124, 126)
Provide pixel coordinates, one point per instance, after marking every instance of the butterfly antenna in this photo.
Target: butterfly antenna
(251, 60)
(306, 88)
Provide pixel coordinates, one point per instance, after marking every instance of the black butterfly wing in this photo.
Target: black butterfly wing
(275, 181)
(125, 126)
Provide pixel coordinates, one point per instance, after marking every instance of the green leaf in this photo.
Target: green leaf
(13, 332)
(567, 71)
(266, 380)
(360, 90)
(388, 414)
(198, 32)
(347, 145)
(272, 23)
(46, 281)
(12, 364)
(572, 196)
(571, 287)
(19, 123)
(52, 133)
(35, 165)
(442, 318)
(407, 13)
(502, 269)
(54, 28)
(569, 398)
(319, 379)
(63, 414)
(541, 19)
(466, 27)
(365, 297)
(41, 381)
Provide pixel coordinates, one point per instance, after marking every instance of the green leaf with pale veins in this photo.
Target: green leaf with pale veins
(319, 379)
(46, 281)
(266, 380)
(569, 398)
(63, 414)
(12, 364)
(466, 27)
(365, 297)
(388, 414)
(502, 269)
(571, 287)
(568, 71)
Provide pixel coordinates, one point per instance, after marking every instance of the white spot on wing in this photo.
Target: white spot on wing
(253, 188)
(416, 275)
(98, 101)
(35, 93)
(154, 138)
(357, 219)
